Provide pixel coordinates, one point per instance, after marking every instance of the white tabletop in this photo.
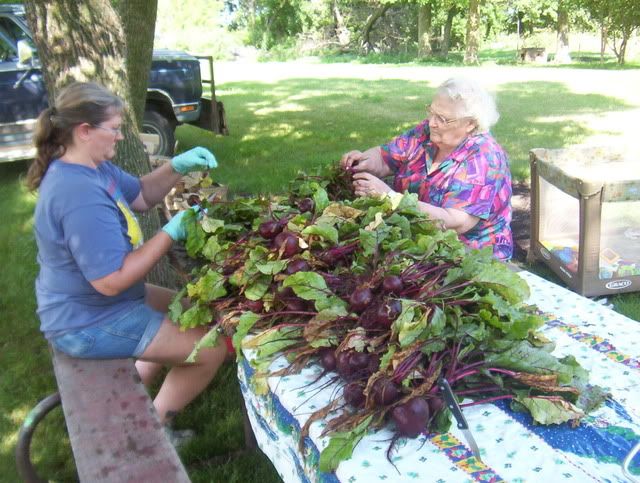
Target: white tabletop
(512, 449)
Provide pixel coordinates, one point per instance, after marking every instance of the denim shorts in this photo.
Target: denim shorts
(126, 337)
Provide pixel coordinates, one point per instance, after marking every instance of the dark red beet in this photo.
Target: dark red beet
(306, 204)
(269, 229)
(328, 358)
(296, 266)
(360, 299)
(354, 394)
(288, 243)
(193, 200)
(435, 405)
(286, 293)
(368, 321)
(411, 417)
(358, 361)
(296, 304)
(253, 305)
(385, 392)
(374, 363)
(385, 315)
(419, 407)
(342, 364)
(392, 284)
(395, 308)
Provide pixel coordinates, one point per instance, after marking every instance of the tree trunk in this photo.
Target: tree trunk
(603, 40)
(622, 52)
(424, 30)
(446, 34)
(84, 41)
(138, 18)
(473, 33)
(562, 49)
(342, 32)
(371, 21)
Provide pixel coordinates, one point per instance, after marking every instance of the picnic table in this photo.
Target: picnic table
(512, 448)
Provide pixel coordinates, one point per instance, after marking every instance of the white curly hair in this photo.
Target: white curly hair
(472, 100)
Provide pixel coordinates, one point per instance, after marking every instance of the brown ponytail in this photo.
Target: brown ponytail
(78, 103)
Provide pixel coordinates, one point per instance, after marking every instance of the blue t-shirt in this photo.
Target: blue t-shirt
(84, 229)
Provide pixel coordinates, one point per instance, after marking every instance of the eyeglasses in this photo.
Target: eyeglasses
(440, 119)
(116, 131)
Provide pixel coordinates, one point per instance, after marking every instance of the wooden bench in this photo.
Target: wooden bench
(115, 432)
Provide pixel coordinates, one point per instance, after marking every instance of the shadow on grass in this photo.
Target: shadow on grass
(27, 375)
(278, 129)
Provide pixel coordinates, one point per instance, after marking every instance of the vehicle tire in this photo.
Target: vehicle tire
(156, 123)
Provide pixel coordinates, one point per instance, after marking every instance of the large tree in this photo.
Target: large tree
(562, 49)
(85, 41)
(425, 16)
(473, 33)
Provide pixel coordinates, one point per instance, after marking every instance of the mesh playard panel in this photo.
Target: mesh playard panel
(585, 217)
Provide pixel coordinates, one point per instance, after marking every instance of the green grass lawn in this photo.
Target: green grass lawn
(283, 118)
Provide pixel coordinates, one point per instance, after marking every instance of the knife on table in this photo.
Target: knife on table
(452, 404)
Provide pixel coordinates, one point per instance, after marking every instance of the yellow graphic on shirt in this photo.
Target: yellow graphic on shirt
(133, 227)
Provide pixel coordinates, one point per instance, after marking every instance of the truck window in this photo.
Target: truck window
(12, 30)
(7, 51)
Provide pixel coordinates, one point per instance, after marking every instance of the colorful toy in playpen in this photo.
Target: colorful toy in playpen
(612, 265)
(568, 255)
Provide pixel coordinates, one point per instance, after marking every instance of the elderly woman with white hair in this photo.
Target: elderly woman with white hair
(460, 172)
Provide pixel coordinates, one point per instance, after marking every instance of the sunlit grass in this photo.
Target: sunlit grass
(281, 126)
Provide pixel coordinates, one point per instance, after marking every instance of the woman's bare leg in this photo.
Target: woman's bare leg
(172, 346)
(185, 380)
(159, 299)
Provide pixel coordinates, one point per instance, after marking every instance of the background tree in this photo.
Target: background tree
(618, 19)
(375, 15)
(562, 49)
(425, 15)
(452, 9)
(85, 41)
(473, 33)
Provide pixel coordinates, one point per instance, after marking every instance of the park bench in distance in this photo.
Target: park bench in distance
(115, 432)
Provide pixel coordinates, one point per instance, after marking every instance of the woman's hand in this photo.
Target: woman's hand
(196, 159)
(365, 184)
(369, 161)
(175, 227)
(350, 159)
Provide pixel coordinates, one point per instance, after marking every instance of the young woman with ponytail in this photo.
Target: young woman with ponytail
(92, 299)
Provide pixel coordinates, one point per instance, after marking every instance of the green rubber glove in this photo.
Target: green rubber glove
(175, 228)
(196, 159)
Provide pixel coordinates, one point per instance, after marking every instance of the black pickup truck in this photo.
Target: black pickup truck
(174, 91)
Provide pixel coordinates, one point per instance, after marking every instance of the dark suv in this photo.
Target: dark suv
(174, 91)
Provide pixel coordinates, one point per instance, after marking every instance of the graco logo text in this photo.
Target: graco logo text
(618, 284)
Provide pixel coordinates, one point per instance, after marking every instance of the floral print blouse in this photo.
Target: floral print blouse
(474, 178)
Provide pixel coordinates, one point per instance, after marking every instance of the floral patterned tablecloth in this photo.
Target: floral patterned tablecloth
(512, 448)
